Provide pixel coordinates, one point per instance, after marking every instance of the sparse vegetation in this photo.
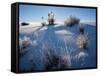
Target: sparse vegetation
(57, 62)
(24, 44)
(71, 21)
(53, 61)
(82, 39)
(43, 22)
(24, 23)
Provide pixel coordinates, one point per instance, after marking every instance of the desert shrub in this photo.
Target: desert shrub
(24, 43)
(24, 23)
(71, 20)
(43, 23)
(53, 61)
(82, 41)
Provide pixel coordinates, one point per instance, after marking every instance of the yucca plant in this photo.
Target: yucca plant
(82, 40)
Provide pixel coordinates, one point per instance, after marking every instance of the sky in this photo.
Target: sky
(33, 13)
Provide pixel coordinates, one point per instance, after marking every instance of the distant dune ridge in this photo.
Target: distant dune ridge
(90, 23)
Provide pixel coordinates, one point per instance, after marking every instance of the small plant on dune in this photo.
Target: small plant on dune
(24, 43)
(82, 40)
(55, 62)
(24, 24)
(71, 21)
